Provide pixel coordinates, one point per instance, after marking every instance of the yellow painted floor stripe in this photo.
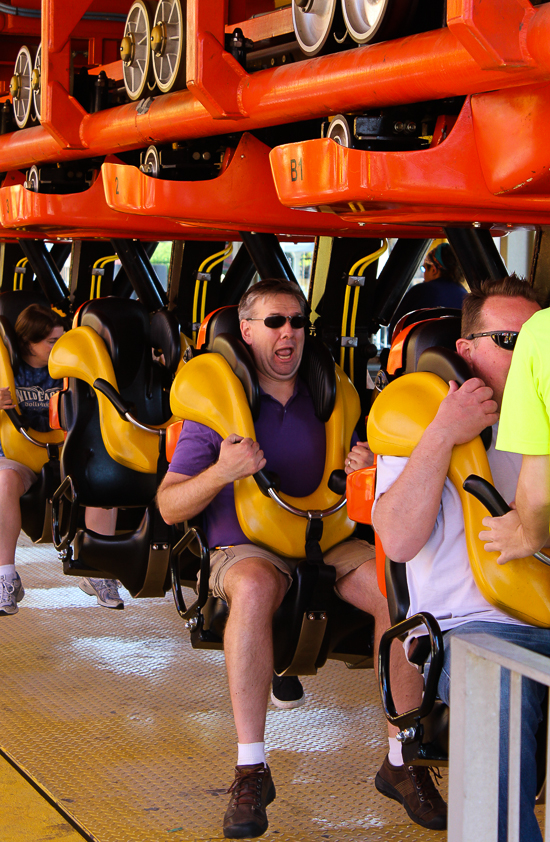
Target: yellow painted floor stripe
(24, 814)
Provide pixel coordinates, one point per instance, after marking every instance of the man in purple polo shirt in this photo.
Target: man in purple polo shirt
(253, 580)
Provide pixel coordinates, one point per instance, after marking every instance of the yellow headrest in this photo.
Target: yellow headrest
(207, 391)
(396, 423)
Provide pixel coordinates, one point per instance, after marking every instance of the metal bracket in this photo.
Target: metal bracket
(144, 105)
(408, 735)
(157, 569)
(349, 342)
(356, 280)
(312, 632)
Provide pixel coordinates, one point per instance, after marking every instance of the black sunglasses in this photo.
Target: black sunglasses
(296, 322)
(503, 338)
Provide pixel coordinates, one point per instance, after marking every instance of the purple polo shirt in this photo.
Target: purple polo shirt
(294, 445)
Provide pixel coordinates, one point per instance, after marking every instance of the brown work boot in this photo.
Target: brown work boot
(251, 791)
(413, 787)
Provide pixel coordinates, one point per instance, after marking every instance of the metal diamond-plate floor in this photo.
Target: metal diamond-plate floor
(130, 729)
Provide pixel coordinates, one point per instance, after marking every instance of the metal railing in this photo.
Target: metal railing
(476, 664)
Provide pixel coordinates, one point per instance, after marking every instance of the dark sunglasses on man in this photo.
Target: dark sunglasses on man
(505, 339)
(296, 322)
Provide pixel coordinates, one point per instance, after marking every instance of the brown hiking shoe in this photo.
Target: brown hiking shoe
(251, 791)
(413, 787)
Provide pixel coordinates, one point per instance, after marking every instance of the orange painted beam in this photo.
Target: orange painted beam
(61, 114)
(270, 25)
(443, 185)
(432, 65)
(84, 214)
(243, 197)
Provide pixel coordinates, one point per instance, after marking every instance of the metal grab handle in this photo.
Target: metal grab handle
(21, 426)
(122, 407)
(430, 681)
(268, 485)
(495, 504)
(62, 543)
(193, 535)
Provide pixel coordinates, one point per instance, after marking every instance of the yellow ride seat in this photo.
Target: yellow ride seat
(396, 423)
(208, 391)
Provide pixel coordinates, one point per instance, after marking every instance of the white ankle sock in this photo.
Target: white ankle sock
(395, 754)
(8, 570)
(250, 754)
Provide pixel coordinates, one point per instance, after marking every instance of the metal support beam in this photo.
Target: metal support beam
(477, 254)
(59, 253)
(122, 286)
(137, 266)
(395, 277)
(239, 276)
(46, 272)
(268, 256)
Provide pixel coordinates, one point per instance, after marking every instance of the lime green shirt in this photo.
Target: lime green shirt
(524, 425)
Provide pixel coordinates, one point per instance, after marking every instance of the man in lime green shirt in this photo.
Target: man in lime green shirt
(524, 428)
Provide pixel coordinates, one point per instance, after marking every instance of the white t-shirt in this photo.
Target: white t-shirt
(439, 577)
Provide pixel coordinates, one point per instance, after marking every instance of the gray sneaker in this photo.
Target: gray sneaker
(106, 591)
(11, 592)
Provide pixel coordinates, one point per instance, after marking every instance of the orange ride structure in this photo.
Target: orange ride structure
(191, 120)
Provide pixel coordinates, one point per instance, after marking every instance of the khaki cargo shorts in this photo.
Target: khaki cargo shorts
(28, 476)
(345, 557)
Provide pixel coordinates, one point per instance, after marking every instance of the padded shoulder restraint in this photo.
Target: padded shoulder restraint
(422, 315)
(449, 365)
(318, 371)
(222, 320)
(236, 354)
(437, 332)
(123, 324)
(445, 363)
(82, 354)
(165, 335)
(206, 390)
(396, 424)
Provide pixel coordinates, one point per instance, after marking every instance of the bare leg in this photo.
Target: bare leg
(255, 589)
(102, 521)
(360, 588)
(11, 489)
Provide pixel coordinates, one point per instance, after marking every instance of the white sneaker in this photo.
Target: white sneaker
(106, 591)
(11, 592)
